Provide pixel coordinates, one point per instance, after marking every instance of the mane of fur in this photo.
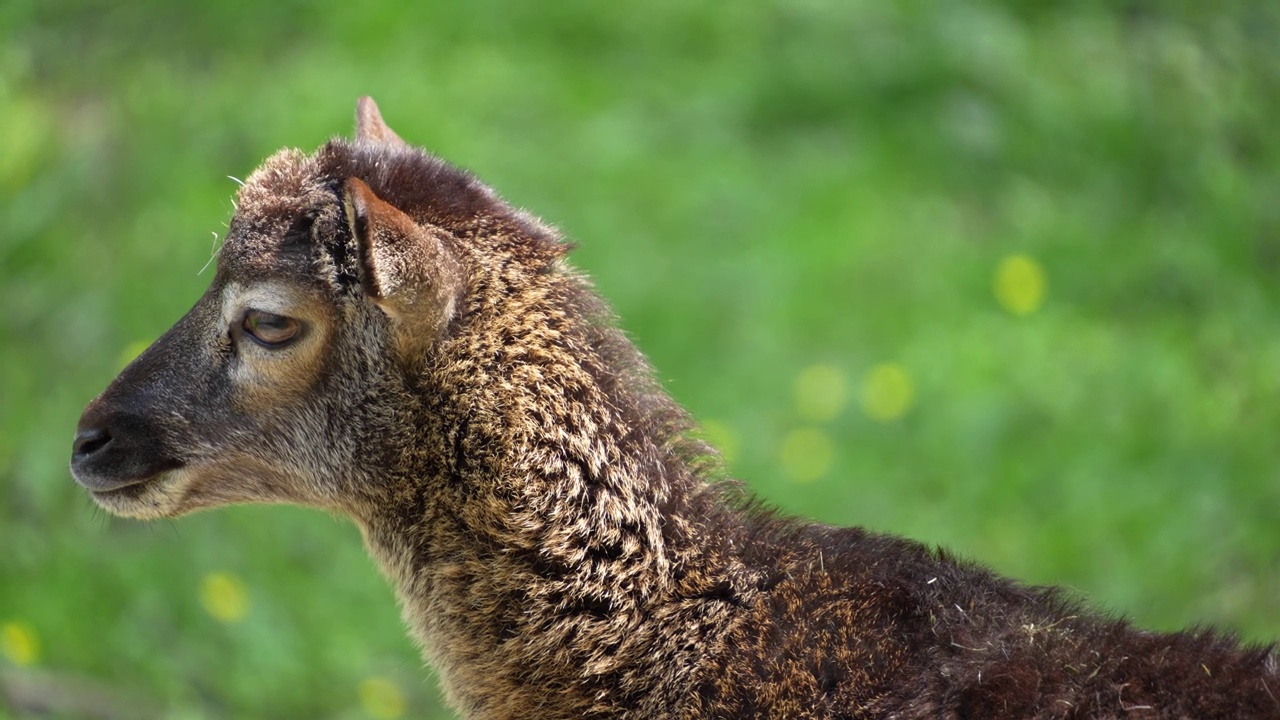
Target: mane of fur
(564, 547)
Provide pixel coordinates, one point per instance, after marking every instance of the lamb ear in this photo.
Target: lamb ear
(405, 268)
(370, 126)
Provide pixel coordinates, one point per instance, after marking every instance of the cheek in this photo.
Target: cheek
(249, 478)
(267, 379)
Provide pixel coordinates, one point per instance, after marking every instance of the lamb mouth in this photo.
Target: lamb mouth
(132, 491)
(146, 498)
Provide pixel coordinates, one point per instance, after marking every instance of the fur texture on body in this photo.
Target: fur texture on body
(387, 339)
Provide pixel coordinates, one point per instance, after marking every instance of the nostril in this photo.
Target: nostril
(89, 442)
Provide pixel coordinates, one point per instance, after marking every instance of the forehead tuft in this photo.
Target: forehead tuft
(285, 182)
(275, 210)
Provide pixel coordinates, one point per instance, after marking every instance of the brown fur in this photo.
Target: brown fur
(557, 539)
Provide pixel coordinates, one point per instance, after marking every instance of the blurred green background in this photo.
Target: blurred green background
(1001, 276)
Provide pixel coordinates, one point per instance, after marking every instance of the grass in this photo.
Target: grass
(799, 210)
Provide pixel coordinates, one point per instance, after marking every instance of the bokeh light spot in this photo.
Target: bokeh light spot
(820, 393)
(224, 597)
(1020, 284)
(887, 392)
(722, 437)
(381, 698)
(19, 643)
(806, 454)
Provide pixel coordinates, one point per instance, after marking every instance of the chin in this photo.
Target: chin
(192, 488)
(160, 496)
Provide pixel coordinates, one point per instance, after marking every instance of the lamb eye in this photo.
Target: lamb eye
(269, 329)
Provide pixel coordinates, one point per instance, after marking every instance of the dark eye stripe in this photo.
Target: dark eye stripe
(269, 329)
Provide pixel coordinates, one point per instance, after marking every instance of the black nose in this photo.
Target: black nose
(115, 449)
(89, 441)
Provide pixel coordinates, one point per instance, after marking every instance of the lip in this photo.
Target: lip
(138, 492)
(146, 499)
(120, 482)
(132, 491)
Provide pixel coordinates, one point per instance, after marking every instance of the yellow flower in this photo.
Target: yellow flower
(381, 698)
(806, 454)
(820, 393)
(887, 392)
(224, 597)
(1020, 284)
(19, 643)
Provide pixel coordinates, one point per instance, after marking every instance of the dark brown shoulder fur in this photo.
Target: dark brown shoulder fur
(571, 557)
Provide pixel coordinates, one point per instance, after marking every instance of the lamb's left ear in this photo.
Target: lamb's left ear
(408, 270)
(370, 126)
